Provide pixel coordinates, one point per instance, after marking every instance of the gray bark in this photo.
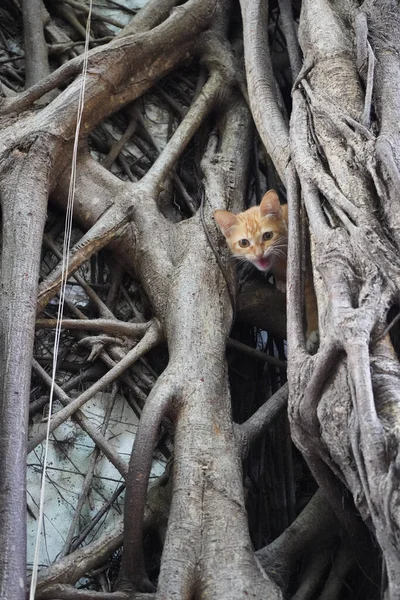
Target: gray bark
(338, 158)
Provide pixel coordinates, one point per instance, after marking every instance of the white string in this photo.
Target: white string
(64, 277)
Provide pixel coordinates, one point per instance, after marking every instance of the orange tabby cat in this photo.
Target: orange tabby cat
(260, 235)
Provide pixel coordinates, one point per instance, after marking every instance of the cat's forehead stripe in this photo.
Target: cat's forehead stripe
(254, 224)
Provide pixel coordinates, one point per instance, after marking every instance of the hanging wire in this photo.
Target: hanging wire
(64, 277)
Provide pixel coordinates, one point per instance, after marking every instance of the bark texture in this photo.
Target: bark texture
(303, 96)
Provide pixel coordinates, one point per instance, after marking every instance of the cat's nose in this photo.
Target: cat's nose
(259, 253)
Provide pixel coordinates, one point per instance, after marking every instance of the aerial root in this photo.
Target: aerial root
(63, 591)
(107, 326)
(315, 525)
(133, 574)
(82, 421)
(102, 232)
(324, 362)
(249, 431)
(151, 338)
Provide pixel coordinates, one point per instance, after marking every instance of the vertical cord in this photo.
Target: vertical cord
(65, 258)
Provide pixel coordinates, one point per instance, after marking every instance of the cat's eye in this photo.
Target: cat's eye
(244, 243)
(267, 235)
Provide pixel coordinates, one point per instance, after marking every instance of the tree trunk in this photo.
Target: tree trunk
(336, 154)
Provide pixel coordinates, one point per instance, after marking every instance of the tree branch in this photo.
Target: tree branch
(292, 43)
(76, 564)
(36, 56)
(257, 354)
(68, 592)
(343, 563)
(312, 576)
(88, 478)
(295, 291)
(149, 16)
(151, 338)
(82, 421)
(109, 326)
(131, 57)
(104, 229)
(104, 311)
(252, 429)
(316, 524)
(19, 273)
(196, 114)
(263, 89)
(72, 567)
(157, 404)
(91, 242)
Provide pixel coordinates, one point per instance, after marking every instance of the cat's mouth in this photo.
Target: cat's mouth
(262, 263)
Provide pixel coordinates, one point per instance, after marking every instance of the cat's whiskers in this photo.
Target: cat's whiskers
(280, 248)
(280, 243)
(279, 252)
(240, 260)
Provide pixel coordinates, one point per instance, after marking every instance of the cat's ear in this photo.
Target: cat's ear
(225, 220)
(270, 205)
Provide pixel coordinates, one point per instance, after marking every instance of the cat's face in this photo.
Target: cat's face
(257, 235)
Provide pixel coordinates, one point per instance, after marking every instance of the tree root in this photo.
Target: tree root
(343, 563)
(36, 55)
(83, 422)
(250, 431)
(316, 524)
(291, 37)
(311, 579)
(87, 481)
(71, 568)
(109, 326)
(94, 240)
(159, 401)
(261, 83)
(151, 338)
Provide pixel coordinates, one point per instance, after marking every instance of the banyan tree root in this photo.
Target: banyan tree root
(338, 160)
